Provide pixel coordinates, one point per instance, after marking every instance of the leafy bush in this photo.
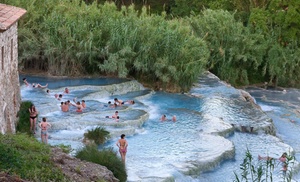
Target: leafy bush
(105, 157)
(28, 158)
(98, 135)
(23, 124)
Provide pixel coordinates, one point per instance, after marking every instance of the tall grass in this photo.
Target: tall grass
(263, 171)
(106, 157)
(99, 135)
(73, 38)
(28, 158)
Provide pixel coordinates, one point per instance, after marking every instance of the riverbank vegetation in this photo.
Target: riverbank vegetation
(263, 171)
(22, 156)
(23, 125)
(98, 135)
(106, 157)
(167, 47)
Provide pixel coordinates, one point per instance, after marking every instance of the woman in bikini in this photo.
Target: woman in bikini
(33, 115)
(44, 130)
(122, 144)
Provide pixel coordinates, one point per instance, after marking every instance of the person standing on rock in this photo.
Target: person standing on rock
(122, 144)
(44, 130)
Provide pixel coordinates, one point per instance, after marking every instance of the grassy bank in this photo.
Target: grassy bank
(27, 158)
(22, 156)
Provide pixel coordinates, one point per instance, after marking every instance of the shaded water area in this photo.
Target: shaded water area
(215, 125)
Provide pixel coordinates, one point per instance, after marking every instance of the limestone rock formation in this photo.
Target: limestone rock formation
(81, 171)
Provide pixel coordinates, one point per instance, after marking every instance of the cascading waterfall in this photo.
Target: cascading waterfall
(214, 127)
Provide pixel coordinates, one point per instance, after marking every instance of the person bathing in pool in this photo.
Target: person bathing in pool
(110, 105)
(37, 85)
(77, 105)
(25, 81)
(129, 102)
(118, 102)
(164, 118)
(66, 91)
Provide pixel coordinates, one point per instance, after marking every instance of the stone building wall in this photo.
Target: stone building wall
(9, 79)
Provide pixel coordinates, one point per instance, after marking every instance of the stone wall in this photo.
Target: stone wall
(9, 80)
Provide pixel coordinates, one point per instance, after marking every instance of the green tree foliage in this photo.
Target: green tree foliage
(285, 20)
(75, 38)
(235, 53)
(72, 38)
(280, 33)
(282, 65)
(151, 48)
(186, 7)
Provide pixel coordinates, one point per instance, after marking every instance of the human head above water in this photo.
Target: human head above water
(122, 136)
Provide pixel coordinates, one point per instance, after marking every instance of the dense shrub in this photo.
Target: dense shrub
(105, 157)
(53, 36)
(23, 124)
(258, 43)
(99, 135)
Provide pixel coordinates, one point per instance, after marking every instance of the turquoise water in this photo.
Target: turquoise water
(169, 151)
